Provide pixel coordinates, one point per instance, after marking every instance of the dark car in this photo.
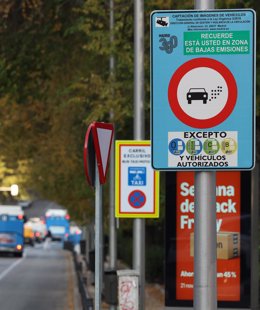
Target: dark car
(197, 94)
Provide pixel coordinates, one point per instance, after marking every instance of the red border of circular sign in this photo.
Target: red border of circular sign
(173, 87)
(140, 192)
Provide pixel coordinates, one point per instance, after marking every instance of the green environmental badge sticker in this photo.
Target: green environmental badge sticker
(194, 146)
(211, 146)
(228, 146)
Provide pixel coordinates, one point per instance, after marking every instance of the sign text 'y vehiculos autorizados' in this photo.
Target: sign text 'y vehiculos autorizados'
(203, 94)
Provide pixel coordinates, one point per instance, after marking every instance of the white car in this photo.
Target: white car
(39, 228)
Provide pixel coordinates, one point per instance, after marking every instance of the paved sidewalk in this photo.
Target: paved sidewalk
(73, 287)
(154, 297)
(154, 294)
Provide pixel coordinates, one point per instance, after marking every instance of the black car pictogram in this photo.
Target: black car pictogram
(197, 94)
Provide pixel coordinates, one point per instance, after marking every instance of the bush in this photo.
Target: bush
(154, 263)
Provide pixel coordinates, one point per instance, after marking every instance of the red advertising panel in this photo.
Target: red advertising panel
(228, 235)
(233, 201)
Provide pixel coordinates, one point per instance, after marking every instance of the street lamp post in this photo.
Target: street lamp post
(13, 189)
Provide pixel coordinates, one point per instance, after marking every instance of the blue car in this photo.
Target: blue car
(58, 224)
(75, 234)
(12, 230)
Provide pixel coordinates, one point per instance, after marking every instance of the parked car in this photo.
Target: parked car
(74, 234)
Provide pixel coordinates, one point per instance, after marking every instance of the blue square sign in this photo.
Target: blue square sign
(203, 89)
(137, 176)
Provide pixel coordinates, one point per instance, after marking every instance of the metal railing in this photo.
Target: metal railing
(87, 303)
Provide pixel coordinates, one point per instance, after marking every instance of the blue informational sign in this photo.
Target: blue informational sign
(203, 89)
(137, 176)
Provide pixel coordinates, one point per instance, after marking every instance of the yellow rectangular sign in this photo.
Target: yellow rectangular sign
(136, 183)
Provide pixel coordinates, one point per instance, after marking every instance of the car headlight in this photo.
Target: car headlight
(189, 96)
(204, 95)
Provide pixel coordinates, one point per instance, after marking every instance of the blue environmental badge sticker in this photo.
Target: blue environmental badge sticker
(176, 146)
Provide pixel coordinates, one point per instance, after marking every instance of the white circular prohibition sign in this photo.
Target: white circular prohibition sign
(202, 93)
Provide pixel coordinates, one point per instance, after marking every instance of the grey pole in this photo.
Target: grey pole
(139, 224)
(98, 240)
(204, 4)
(205, 239)
(255, 238)
(205, 286)
(112, 221)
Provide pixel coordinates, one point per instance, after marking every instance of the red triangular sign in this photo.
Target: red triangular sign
(103, 135)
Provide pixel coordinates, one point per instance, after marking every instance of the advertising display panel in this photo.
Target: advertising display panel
(233, 239)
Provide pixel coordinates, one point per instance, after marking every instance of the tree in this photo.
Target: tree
(55, 80)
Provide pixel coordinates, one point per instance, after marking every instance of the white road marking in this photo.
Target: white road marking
(16, 263)
(46, 244)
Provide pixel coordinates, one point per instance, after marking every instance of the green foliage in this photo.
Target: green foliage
(125, 246)
(34, 44)
(55, 79)
(40, 122)
(154, 269)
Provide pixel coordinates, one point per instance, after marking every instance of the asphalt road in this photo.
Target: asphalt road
(42, 280)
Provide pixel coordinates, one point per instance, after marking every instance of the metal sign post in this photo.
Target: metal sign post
(98, 240)
(97, 148)
(205, 254)
(205, 233)
(139, 224)
(112, 220)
